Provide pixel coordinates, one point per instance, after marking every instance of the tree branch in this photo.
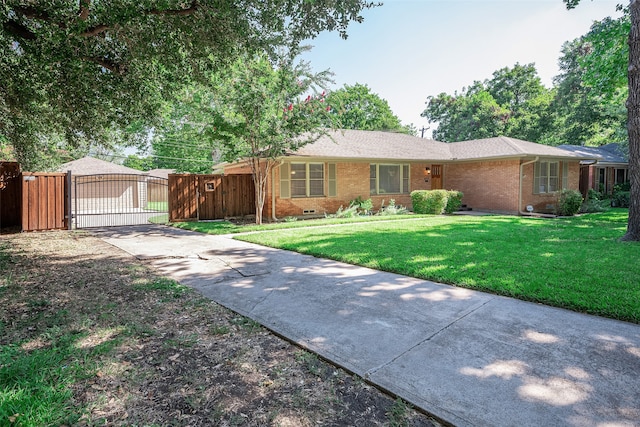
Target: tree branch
(176, 12)
(19, 30)
(107, 64)
(94, 31)
(83, 13)
(31, 13)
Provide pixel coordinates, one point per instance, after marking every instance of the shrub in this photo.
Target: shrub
(620, 199)
(454, 201)
(594, 205)
(350, 212)
(625, 186)
(363, 206)
(569, 202)
(593, 195)
(431, 202)
(392, 209)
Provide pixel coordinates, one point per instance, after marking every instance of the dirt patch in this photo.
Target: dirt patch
(157, 353)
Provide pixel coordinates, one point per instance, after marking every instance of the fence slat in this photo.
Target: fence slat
(44, 204)
(209, 197)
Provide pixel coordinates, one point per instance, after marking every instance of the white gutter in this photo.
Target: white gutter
(273, 190)
(522, 165)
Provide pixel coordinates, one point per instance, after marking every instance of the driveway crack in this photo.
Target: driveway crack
(429, 338)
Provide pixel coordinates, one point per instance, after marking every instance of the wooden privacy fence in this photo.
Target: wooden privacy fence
(208, 197)
(45, 201)
(10, 197)
(34, 201)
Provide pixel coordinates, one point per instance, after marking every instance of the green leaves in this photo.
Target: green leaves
(356, 107)
(73, 69)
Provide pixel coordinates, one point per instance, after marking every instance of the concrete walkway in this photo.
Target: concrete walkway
(469, 358)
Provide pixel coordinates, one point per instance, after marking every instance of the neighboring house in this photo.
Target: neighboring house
(503, 175)
(157, 188)
(160, 173)
(100, 186)
(610, 167)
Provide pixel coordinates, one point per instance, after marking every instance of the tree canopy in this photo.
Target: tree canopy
(260, 113)
(356, 107)
(514, 102)
(80, 69)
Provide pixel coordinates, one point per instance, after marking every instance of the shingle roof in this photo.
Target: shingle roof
(610, 153)
(358, 144)
(505, 147)
(92, 166)
(160, 173)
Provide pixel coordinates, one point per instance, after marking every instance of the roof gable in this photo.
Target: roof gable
(373, 145)
(505, 147)
(359, 144)
(610, 153)
(92, 166)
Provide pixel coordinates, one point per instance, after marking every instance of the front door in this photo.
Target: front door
(436, 177)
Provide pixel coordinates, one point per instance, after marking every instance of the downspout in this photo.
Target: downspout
(273, 190)
(522, 165)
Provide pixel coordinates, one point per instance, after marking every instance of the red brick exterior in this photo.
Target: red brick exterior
(491, 186)
(494, 186)
(487, 186)
(352, 179)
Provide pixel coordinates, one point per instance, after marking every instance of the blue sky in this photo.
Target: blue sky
(407, 50)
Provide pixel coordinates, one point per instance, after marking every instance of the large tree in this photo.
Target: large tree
(356, 107)
(471, 114)
(633, 117)
(592, 85)
(514, 102)
(79, 68)
(261, 113)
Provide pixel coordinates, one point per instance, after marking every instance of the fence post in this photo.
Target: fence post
(68, 213)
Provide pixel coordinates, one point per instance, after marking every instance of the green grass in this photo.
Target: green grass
(576, 263)
(226, 227)
(158, 206)
(36, 385)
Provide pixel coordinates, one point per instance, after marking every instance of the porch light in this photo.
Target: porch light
(427, 172)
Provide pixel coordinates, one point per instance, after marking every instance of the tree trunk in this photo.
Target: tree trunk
(633, 125)
(260, 173)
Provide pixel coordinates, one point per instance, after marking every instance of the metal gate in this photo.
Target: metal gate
(108, 200)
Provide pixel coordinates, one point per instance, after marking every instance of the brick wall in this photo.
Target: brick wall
(546, 202)
(487, 185)
(352, 182)
(491, 186)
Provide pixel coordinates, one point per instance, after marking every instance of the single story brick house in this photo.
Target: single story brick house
(502, 175)
(609, 167)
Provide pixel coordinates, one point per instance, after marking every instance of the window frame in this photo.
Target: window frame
(560, 176)
(404, 181)
(307, 180)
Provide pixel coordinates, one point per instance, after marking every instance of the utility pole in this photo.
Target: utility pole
(424, 129)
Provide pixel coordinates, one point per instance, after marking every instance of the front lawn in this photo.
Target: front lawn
(577, 263)
(227, 227)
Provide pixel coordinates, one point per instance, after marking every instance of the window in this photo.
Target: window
(550, 176)
(621, 176)
(385, 179)
(306, 179)
(332, 178)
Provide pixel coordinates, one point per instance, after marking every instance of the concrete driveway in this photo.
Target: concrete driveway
(469, 358)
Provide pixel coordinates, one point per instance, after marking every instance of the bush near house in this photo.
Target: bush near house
(454, 201)
(569, 202)
(436, 202)
(621, 194)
